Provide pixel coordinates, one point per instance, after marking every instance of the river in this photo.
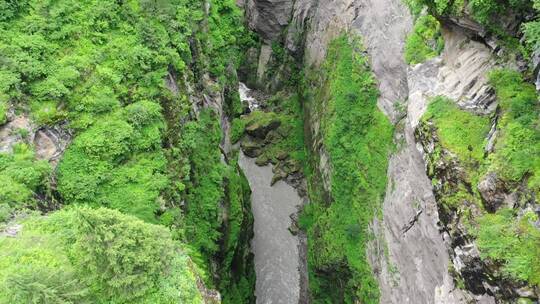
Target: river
(276, 250)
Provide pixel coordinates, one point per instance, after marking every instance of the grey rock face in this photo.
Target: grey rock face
(51, 142)
(269, 17)
(493, 191)
(383, 25)
(536, 68)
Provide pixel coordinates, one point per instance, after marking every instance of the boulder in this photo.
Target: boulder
(282, 155)
(278, 175)
(273, 137)
(493, 191)
(251, 149)
(260, 129)
(262, 160)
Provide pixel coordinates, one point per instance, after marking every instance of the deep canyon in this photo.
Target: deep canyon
(269, 151)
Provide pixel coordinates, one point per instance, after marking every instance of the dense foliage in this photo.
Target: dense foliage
(513, 241)
(358, 139)
(425, 41)
(121, 73)
(83, 255)
(517, 151)
(461, 132)
(21, 178)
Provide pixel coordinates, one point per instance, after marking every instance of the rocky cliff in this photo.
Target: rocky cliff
(415, 253)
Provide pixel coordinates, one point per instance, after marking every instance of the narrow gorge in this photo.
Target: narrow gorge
(269, 151)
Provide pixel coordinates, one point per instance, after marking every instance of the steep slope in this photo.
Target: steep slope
(413, 253)
(126, 104)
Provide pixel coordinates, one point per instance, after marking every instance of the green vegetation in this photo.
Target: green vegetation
(459, 131)
(21, 178)
(117, 163)
(488, 13)
(532, 29)
(3, 112)
(101, 67)
(425, 41)
(507, 238)
(484, 11)
(238, 127)
(94, 256)
(517, 151)
(287, 141)
(239, 283)
(358, 139)
(201, 141)
(514, 241)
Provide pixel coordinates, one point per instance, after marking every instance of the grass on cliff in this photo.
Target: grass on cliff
(512, 241)
(517, 150)
(505, 236)
(461, 132)
(425, 41)
(358, 139)
(508, 239)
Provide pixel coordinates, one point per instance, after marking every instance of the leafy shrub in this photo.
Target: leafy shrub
(512, 241)
(107, 166)
(21, 177)
(46, 112)
(517, 150)
(94, 256)
(425, 41)
(3, 112)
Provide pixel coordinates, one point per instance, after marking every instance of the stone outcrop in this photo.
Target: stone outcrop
(260, 129)
(49, 141)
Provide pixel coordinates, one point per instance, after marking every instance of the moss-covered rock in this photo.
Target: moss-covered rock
(251, 148)
(260, 128)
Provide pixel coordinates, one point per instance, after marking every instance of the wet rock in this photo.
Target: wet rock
(282, 155)
(50, 142)
(260, 129)
(273, 136)
(493, 191)
(262, 160)
(278, 175)
(269, 17)
(251, 148)
(293, 228)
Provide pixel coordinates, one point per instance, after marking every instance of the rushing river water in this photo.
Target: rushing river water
(276, 250)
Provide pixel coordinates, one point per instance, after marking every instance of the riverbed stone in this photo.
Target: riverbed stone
(260, 129)
(262, 160)
(251, 148)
